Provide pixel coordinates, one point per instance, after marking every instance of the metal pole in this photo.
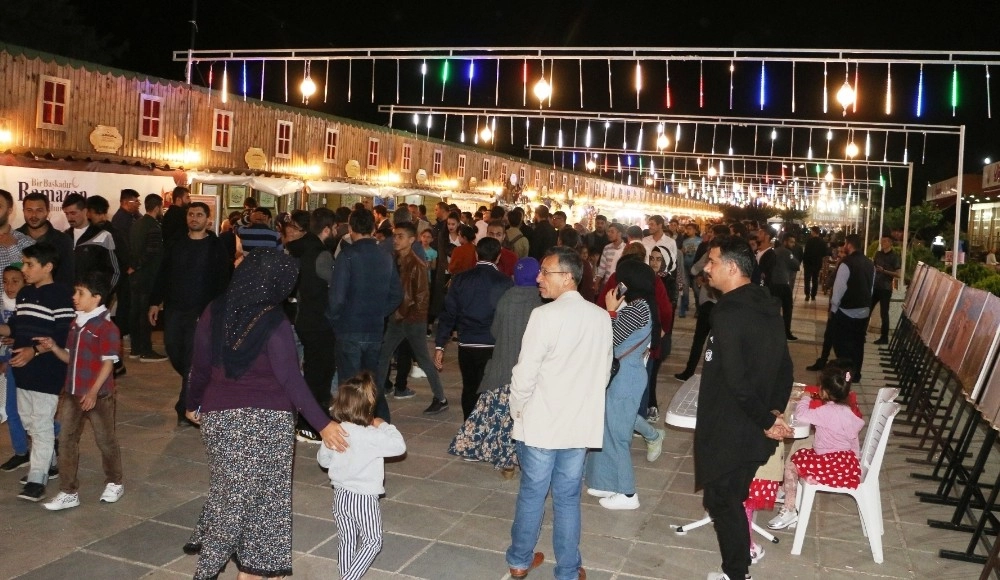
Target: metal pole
(958, 201)
(868, 215)
(906, 225)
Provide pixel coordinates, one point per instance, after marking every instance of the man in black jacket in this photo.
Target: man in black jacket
(174, 220)
(194, 271)
(544, 236)
(745, 385)
(311, 326)
(812, 262)
(39, 228)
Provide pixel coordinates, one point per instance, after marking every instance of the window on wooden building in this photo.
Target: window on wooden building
(461, 166)
(373, 145)
(565, 181)
(222, 131)
(53, 101)
(436, 165)
(407, 158)
(330, 147)
(521, 173)
(283, 140)
(503, 173)
(538, 178)
(150, 118)
(486, 169)
(552, 181)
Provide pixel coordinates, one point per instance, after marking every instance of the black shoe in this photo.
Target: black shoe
(436, 407)
(192, 548)
(819, 365)
(791, 337)
(307, 436)
(183, 421)
(882, 341)
(32, 492)
(15, 462)
(120, 371)
(53, 474)
(683, 376)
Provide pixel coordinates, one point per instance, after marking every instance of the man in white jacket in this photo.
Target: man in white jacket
(557, 403)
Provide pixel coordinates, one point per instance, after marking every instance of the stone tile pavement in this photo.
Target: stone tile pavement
(445, 518)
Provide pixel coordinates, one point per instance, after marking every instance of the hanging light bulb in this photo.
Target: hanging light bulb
(662, 142)
(845, 96)
(829, 176)
(486, 134)
(852, 150)
(307, 87)
(591, 165)
(711, 171)
(542, 89)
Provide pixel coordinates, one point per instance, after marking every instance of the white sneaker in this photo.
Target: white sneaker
(756, 553)
(784, 519)
(654, 448)
(599, 493)
(620, 501)
(63, 501)
(417, 373)
(112, 493)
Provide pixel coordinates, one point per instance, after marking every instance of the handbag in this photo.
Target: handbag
(616, 363)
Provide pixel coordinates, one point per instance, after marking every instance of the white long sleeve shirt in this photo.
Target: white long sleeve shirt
(361, 468)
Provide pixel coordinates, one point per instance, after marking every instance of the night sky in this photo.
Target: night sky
(141, 35)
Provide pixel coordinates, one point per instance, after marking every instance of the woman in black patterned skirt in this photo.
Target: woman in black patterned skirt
(245, 389)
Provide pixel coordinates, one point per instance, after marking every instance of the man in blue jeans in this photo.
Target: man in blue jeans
(557, 404)
(364, 291)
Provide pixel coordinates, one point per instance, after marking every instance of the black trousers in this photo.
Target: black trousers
(404, 362)
(702, 326)
(178, 338)
(783, 294)
(472, 364)
(882, 298)
(318, 366)
(811, 281)
(723, 499)
(849, 339)
(827, 337)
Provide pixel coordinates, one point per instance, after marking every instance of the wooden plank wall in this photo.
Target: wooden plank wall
(105, 98)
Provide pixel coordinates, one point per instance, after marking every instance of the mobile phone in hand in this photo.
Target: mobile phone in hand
(620, 290)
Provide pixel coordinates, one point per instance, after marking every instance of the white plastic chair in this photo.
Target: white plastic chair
(867, 494)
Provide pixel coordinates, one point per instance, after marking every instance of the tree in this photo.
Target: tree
(738, 213)
(922, 217)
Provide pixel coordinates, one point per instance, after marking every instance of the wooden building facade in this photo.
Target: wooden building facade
(55, 108)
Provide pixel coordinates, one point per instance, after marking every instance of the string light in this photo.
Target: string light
(423, 80)
(989, 107)
(793, 86)
(638, 82)
(472, 73)
(954, 89)
(888, 89)
(826, 92)
(587, 138)
(920, 91)
(701, 84)
(667, 63)
(857, 86)
(732, 69)
(761, 87)
(225, 81)
(444, 77)
(244, 80)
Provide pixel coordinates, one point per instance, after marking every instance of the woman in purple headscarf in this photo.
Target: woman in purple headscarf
(485, 435)
(245, 390)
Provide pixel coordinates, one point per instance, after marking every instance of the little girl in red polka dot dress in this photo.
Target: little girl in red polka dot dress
(833, 458)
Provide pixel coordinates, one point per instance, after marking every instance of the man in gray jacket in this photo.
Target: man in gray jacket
(785, 265)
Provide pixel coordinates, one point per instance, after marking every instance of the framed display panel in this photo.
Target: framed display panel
(942, 311)
(979, 359)
(914, 290)
(926, 314)
(235, 196)
(919, 317)
(961, 330)
(265, 200)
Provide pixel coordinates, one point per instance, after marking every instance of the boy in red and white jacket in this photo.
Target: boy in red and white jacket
(89, 394)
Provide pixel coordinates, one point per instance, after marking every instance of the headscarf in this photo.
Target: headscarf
(662, 272)
(526, 272)
(244, 318)
(638, 277)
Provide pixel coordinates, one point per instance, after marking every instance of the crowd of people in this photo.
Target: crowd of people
(286, 327)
